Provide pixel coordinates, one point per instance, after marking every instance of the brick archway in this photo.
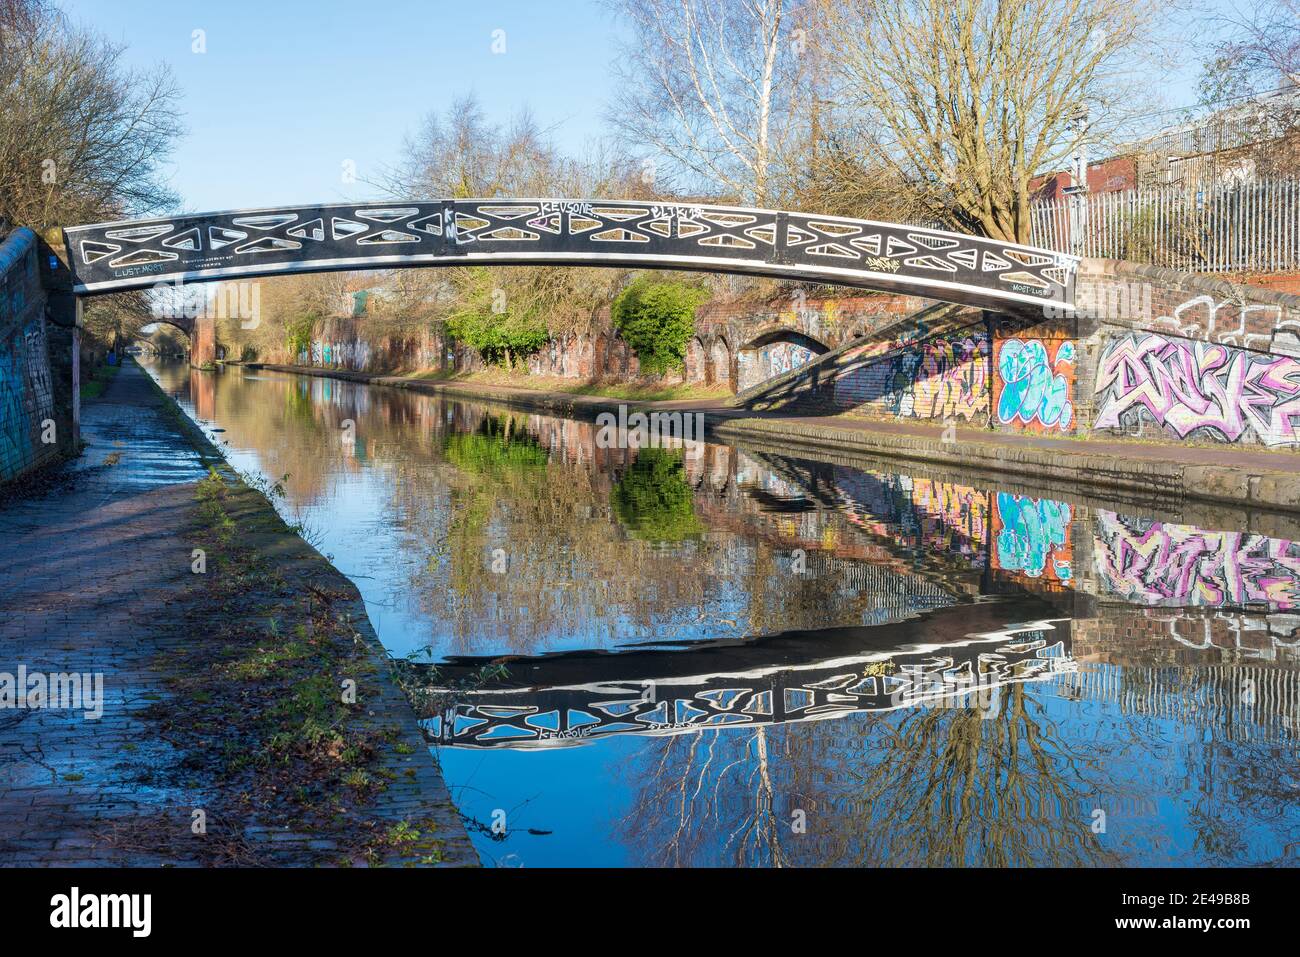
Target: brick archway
(773, 352)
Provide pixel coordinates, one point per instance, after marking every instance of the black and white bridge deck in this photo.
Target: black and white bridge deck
(952, 267)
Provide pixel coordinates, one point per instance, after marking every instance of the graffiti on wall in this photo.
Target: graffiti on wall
(1035, 384)
(14, 433)
(1032, 538)
(774, 359)
(26, 400)
(26, 389)
(780, 357)
(1163, 564)
(950, 381)
(940, 378)
(1197, 389)
(349, 354)
(1229, 322)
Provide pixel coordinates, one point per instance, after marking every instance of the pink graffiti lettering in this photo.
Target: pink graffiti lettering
(1185, 387)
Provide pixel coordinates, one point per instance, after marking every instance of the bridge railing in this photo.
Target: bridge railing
(952, 267)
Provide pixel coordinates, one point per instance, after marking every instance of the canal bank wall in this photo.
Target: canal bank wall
(1160, 382)
(36, 428)
(1244, 477)
(249, 712)
(1149, 354)
(735, 343)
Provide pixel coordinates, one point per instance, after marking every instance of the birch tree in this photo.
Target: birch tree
(708, 90)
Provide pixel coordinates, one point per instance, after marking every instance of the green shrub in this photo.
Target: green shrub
(657, 319)
(298, 334)
(497, 332)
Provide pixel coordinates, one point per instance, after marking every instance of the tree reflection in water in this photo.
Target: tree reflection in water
(654, 500)
(951, 786)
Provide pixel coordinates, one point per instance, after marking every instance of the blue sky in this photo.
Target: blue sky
(289, 90)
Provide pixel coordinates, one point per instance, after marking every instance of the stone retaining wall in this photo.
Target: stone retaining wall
(28, 428)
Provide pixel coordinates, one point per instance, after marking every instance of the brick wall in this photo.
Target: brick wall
(1169, 355)
(1034, 376)
(28, 436)
(203, 342)
(1150, 353)
(935, 364)
(348, 343)
(723, 331)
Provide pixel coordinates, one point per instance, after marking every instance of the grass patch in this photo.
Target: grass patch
(654, 393)
(99, 380)
(638, 391)
(269, 708)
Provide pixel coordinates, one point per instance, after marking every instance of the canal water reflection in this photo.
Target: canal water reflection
(745, 657)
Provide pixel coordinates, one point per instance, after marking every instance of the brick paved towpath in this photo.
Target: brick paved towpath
(95, 577)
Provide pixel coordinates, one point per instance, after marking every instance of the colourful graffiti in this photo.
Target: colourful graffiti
(938, 379)
(781, 357)
(1035, 387)
(354, 354)
(771, 360)
(1162, 564)
(1032, 538)
(1198, 389)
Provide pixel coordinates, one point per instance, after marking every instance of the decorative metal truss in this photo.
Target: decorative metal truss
(112, 257)
(963, 676)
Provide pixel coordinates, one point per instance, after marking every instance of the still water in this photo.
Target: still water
(735, 656)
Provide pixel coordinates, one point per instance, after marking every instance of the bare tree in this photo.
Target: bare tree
(110, 322)
(709, 87)
(82, 137)
(1254, 65)
(1266, 42)
(460, 153)
(966, 100)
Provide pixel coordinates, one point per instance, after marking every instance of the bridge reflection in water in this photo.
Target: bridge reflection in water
(578, 697)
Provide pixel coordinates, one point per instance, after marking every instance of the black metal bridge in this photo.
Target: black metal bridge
(114, 257)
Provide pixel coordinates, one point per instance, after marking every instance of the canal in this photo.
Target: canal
(734, 655)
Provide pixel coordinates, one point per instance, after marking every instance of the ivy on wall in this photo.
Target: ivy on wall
(657, 319)
(297, 334)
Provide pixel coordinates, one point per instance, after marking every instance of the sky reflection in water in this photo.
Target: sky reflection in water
(1134, 673)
